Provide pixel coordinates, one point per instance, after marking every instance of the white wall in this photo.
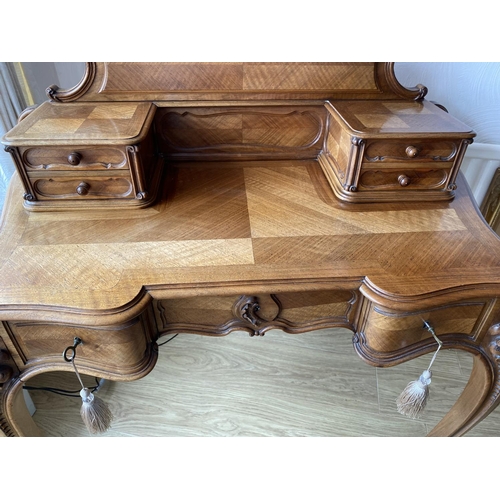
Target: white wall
(41, 75)
(469, 90)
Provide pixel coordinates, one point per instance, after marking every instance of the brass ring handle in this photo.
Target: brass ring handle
(74, 158)
(411, 151)
(404, 180)
(83, 188)
(70, 352)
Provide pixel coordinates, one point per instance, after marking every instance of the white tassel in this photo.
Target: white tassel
(95, 413)
(412, 401)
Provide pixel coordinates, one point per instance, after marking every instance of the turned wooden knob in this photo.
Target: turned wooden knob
(83, 188)
(74, 158)
(5, 373)
(404, 180)
(411, 151)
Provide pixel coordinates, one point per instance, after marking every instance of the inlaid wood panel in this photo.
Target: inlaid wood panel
(53, 124)
(388, 118)
(229, 79)
(241, 222)
(238, 133)
(204, 81)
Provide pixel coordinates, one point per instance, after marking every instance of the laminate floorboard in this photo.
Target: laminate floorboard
(312, 384)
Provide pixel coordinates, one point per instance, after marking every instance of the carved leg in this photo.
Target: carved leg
(481, 395)
(15, 419)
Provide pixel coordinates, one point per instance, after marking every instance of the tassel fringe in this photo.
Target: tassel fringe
(95, 413)
(413, 400)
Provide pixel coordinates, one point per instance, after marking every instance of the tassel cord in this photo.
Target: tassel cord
(440, 344)
(77, 374)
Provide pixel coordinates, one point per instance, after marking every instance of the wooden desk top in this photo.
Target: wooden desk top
(247, 224)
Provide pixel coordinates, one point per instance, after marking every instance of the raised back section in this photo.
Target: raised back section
(150, 81)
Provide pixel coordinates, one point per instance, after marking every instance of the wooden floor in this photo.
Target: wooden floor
(311, 384)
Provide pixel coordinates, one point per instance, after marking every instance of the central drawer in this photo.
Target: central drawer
(292, 312)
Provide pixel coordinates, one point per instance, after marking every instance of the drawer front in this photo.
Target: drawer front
(293, 312)
(82, 187)
(385, 331)
(120, 350)
(86, 158)
(403, 179)
(410, 152)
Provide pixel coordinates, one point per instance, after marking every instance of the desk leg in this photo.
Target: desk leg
(15, 419)
(481, 394)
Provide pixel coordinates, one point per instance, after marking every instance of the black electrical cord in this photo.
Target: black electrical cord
(166, 341)
(62, 392)
(76, 394)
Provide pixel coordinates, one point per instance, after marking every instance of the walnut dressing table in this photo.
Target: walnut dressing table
(159, 198)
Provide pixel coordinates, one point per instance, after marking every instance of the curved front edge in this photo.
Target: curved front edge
(386, 337)
(121, 352)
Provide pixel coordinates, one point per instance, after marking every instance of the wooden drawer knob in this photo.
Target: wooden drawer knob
(404, 180)
(74, 158)
(411, 151)
(83, 188)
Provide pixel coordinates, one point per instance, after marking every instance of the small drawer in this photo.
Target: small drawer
(82, 187)
(386, 331)
(86, 158)
(409, 151)
(120, 350)
(398, 179)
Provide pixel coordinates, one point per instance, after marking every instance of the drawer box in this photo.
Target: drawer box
(63, 153)
(390, 151)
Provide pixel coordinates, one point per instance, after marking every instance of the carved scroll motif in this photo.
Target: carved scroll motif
(247, 308)
(386, 76)
(54, 93)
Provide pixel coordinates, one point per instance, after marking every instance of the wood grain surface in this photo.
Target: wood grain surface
(213, 225)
